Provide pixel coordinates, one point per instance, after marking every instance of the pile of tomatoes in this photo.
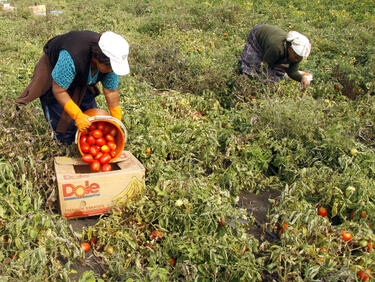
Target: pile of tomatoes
(98, 145)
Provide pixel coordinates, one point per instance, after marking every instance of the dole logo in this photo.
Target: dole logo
(80, 191)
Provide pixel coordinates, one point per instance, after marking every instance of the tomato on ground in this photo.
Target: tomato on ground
(85, 246)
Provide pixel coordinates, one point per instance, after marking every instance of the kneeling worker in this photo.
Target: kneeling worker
(280, 50)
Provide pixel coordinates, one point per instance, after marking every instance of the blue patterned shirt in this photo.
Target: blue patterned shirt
(64, 73)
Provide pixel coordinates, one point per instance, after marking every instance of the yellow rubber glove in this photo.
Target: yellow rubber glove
(82, 120)
(116, 112)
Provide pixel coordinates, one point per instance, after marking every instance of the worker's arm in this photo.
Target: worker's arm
(113, 101)
(62, 96)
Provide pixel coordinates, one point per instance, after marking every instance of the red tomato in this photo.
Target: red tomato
(85, 247)
(92, 126)
(113, 154)
(346, 236)
(87, 158)
(105, 159)
(91, 140)
(95, 166)
(109, 250)
(283, 228)
(370, 246)
(113, 131)
(106, 168)
(85, 147)
(100, 141)
(109, 138)
(363, 214)
(93, 240)
(148, 151)
(93, 151)
(105, 149)
(322, 212)
(83, 139)
(97, 133)
(173, 261)
(364, 275)
(100, 125)
(112, 145)
(220, 222)
(107, 128)
(156, 234)
(99, 155)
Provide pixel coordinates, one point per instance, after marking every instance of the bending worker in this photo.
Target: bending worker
(280, 50)
(65, 79)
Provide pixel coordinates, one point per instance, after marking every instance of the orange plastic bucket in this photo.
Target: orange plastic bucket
(98, 115)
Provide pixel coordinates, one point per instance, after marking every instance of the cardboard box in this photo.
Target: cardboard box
(38, 10)
(83, 193)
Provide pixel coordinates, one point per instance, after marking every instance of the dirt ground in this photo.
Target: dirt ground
(256, 205)
(91, 262)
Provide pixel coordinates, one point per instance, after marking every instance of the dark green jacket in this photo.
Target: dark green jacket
(272, 40)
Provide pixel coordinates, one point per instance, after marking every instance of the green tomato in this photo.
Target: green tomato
(363, 243)
(350, 190)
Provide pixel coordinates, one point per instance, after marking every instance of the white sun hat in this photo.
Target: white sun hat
(116, 48)
(300, 43)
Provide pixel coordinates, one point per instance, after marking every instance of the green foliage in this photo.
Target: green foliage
(212, 133)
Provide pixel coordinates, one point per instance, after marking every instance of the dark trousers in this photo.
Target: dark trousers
(53, 109)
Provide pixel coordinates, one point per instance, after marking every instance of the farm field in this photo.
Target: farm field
(213, 143)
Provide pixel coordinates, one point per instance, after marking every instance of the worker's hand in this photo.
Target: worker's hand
(304, 82)
(82, 120)
(116, 112)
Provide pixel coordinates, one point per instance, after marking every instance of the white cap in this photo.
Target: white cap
(300, 43)
(116, 48)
